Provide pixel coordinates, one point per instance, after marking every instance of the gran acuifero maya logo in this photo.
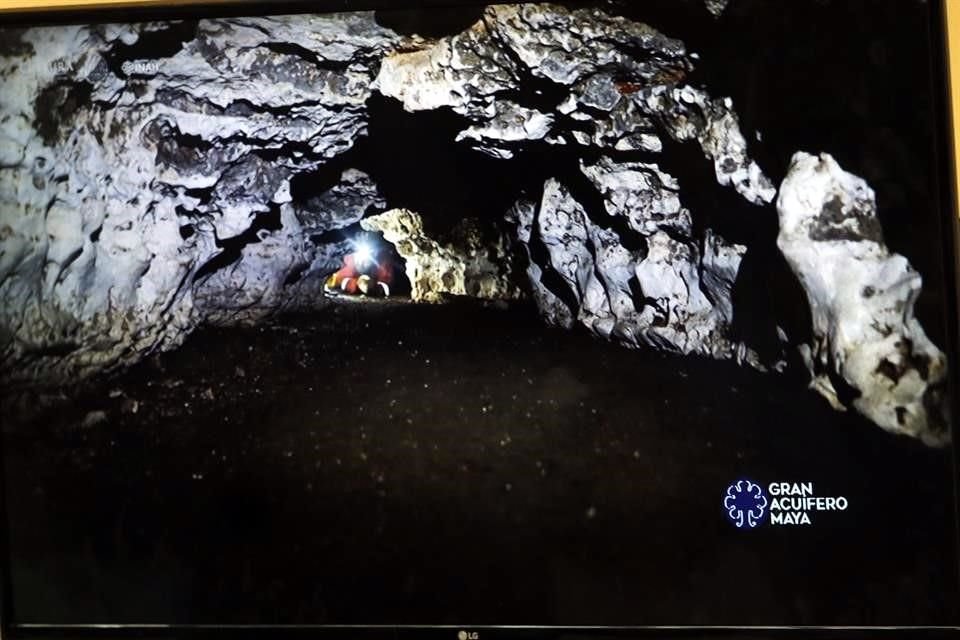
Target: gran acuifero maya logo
(748, 504)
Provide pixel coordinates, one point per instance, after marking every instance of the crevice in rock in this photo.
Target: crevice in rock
(65, 265)
(766, 293)
(337, 235)
(584, 192)
(317, 181)
(175, 148)
(243, 107)
(530, 90)
(296, 274)
(293, 151)
(239, 107)
(56, 350)
(549, 278)
(57, 105)
(203, 194)
(232, 248)
(299, 51)
(185, 212)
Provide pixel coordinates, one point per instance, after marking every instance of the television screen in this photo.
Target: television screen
(480, 318)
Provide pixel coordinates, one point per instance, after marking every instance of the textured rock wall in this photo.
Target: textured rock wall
(588, 80)
(868, 350)
(631, 273)
(142, 196)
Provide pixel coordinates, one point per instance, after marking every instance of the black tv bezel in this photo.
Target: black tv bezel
(945, 153)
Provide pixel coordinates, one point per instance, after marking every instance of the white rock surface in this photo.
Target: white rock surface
(462, 72)
(867, 350)
(512, 123)
(690, 114)
(640, 192)
(120, 182)
(624, 92)
(552, 308)
(466, 264)
(653, 297)
(514, 46)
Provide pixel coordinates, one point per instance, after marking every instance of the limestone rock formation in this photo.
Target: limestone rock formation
(617, 90)
(140, 197)
(868, 350)
(591, 79)
(667, 293)
(466, 264)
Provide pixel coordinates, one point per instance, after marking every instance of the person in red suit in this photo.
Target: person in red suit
(364, 272)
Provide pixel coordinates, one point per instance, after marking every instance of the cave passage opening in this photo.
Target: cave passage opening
(373, 269)
(416, 162)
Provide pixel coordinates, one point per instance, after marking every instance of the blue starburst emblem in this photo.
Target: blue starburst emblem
(745, 504)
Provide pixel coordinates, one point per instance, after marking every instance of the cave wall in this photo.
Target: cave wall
(145, 182)
(524, 76)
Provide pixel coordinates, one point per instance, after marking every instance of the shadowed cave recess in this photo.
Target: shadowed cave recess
(346, 311)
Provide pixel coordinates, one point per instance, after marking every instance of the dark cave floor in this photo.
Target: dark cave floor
(460, 464)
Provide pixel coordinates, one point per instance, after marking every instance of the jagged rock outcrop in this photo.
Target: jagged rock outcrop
(465, 264)
(618, 88)
(665, 293)
(590, 79)
(867, 349)
(140, 197)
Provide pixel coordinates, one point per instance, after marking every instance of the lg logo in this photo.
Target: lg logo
(468, 635)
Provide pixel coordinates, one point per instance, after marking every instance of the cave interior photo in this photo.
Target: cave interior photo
(470, 315)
